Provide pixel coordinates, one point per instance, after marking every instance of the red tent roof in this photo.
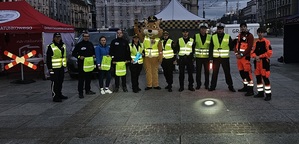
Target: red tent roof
(21, 17)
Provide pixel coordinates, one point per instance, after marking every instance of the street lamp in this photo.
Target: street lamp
(105, 9)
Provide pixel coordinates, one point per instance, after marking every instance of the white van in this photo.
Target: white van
(234, 29)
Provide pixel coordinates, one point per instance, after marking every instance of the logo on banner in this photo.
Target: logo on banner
(8, 15)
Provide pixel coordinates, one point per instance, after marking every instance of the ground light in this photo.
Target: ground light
(209, 106)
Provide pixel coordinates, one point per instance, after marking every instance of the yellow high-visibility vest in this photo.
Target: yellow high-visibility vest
(106, 63)
(57, 59)
(202, 50)
(185, 48)
(221, 51)
(88, 64)
(167, 50)
(151, 50)
(120, 69)
(134, 51)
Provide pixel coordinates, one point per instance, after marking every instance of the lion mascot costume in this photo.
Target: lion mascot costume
(150, 35)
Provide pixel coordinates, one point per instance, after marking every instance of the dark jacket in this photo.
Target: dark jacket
(83, 48)
(50, 53)
(120, 50)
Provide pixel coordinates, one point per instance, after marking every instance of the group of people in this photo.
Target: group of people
(209, 51)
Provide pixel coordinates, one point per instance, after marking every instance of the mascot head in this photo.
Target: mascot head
(152, 27)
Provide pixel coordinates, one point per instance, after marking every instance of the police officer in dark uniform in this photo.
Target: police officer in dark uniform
(168, 59)
(185, 49)
(84, 50)
(202, 44)
(56, 62)
(220, 46)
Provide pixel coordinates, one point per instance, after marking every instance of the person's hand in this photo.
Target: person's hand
(238, 56)
(175, 62)
(81, 57)
(257, 58)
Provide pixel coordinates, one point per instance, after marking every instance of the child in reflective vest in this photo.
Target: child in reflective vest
(103, 63)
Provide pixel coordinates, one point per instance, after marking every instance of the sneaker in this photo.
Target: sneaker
(108, 91)
(102, 91)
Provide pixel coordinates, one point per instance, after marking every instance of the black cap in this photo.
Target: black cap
(243, 24)
(135, 36)
(152, 19)
(165, 33)
(56, 35)
(185, 30)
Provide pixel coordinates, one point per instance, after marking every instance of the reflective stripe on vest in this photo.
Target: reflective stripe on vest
(134, 52)
(151, 50)
(222, 50)
(167, 50)
(57, 59)
(202, 50)
(106, 63)
(120, 68)
(185, 49)
(88, 64)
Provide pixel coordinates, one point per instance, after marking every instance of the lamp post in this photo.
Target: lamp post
(276, 21)
(105, 16)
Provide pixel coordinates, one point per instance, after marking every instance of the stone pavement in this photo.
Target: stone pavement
(28, 115)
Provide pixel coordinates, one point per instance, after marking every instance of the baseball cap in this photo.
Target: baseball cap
(56, 35)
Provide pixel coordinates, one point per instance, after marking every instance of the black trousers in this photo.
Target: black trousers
(57, 80)
(84, 80)
(205, 63)
(186, 61)
(226, 68)
(168, 68)
(135, 70)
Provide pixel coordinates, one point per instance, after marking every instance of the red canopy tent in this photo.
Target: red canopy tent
(20, 17)
(23, 29)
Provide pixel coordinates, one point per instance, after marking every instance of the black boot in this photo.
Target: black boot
(249, 91)
(268, 97)
(244, 89)
(57, 99)
(260, 94)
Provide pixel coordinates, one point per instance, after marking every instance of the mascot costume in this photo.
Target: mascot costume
(150, 37)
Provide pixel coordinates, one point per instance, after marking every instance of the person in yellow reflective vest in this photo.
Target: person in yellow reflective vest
(137, 53)
(84, 52)
(220, 46)
(168, 60)
(202, 45)
(104, 64)
(56, 62)
(185, 50)
(120, 52)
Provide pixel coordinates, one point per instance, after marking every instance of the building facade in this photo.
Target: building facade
(122, 13)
